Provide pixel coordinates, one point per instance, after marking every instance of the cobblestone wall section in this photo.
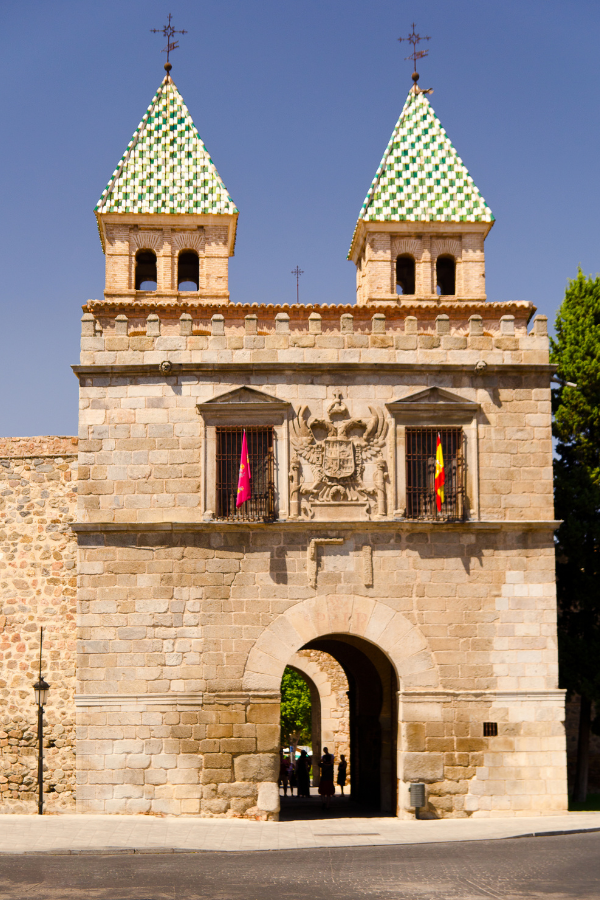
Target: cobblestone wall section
(37, 588)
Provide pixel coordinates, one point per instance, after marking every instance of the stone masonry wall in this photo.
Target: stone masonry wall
(171, 621)
(143, 456)
(38, 555)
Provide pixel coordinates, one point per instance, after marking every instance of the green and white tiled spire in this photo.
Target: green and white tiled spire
(421, 178)
(166, 167)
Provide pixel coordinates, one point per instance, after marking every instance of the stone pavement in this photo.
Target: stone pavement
(95, 833)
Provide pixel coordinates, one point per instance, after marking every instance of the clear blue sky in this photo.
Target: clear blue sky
(296, 102)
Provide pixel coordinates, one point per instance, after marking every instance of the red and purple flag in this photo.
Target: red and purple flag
(244, 491)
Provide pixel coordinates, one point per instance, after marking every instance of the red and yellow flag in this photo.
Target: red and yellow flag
(440, 475)
(244, 491)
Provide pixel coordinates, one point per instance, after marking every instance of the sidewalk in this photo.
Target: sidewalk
(144, 834)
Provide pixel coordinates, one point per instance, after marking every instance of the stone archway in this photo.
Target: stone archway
(362, 617)
(381, 652)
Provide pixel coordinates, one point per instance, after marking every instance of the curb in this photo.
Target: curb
(145, 851)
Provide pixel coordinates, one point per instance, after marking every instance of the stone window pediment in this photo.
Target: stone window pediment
(432, 403)
(245, 404)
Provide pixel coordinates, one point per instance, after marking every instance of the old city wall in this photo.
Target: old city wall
(38, 571)
(192, 655)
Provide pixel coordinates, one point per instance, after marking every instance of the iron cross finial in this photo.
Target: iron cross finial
(414, 38)
(168, 32)
(297, 272)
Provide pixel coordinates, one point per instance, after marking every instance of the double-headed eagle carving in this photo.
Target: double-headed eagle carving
(337, 449)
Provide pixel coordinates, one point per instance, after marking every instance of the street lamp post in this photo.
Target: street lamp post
(40, 690)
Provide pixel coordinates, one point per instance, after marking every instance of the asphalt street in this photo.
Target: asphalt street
(560, 868)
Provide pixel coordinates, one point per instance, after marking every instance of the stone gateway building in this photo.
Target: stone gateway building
(437, 604)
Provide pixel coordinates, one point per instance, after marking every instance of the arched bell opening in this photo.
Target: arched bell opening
(445, 270)
(145, 270)
(188, 271)
(405, 274)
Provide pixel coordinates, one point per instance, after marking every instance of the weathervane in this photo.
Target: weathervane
(414, 38)
(297, 272)
(168, 32)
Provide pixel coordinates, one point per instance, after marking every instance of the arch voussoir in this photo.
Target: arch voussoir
(361, 617)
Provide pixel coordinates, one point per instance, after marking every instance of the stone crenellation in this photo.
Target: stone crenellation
(303, 335)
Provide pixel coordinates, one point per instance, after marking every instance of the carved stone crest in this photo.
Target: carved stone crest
(338, 450)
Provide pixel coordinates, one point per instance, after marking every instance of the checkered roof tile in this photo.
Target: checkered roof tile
(166, 167)
(421, 178)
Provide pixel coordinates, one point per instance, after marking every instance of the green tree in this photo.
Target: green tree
(295, 709)
(576, 352)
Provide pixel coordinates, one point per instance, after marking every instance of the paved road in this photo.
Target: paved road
(553, 868)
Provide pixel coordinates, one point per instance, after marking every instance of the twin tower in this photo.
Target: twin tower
(168, 225)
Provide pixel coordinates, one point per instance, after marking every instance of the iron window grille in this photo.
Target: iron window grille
(420, 474)
(490, 729)
(261, 506)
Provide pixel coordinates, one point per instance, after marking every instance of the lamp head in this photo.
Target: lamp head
(40, 690)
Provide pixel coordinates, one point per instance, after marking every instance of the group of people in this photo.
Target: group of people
(296, 774)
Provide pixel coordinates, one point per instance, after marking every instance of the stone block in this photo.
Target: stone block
(282, 323)
(475, 326)
(256, 767)
(263, 713)
(267, 738)
(414, 737)
(427, 767)
(378, 323)
(314, 323)
(268, 797)
(88, 325)
(442, 324)
(121, 324)
(347, 323)
(406, 341)
(152, 325)
(237, 789)
(217, 325)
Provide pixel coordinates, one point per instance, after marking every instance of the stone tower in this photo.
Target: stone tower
(441, 611)
(422, 227)
(165, 217)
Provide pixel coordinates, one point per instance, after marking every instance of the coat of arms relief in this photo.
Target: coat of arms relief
(342, 463)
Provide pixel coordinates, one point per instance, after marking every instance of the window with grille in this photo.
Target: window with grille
(420, 473)
(490, 729)
(261, 506)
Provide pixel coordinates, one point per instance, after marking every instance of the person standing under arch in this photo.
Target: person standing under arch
(302, 774)
(342, 770)
(326, 786)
